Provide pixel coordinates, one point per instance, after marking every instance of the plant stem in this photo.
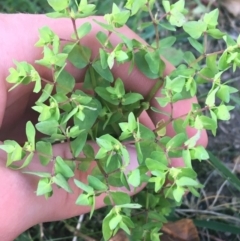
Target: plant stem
(155, 89)
(155, 24)
(179, 117)
(151, 94)
(75, 28)
(205, 56)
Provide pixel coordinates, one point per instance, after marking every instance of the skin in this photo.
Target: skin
(20, 207)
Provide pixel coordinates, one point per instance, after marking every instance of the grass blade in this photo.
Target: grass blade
(217, 226)
(224, 171)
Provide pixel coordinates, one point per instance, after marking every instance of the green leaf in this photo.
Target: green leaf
(84, 187)
(130, 205)
(199, 152)
(186, 181)
(210, 100)
(154, 165)
(211, 63)
(191, 142)
(131, 98)
(57, 15)
(187, 158)
(114, 222)
(78, 143)
(166, 6)
(195, 29)
(30, 132)
(103, 58)
(222, 112)
(65, 82)
(152, 59)
(48, 127)
(7, 148)
(198, 46)
(44, 151)
(103, 93)
(211, 18)
(124, 181)
(38, 174)
(215, 33)
(167, 42)
(44, 186)
(222, 63)
(178, 126)
(83, 199)
(60, 180)
(166, 25)
(46, 92)
(16, 155)
(27, 160)
(58, 5)
(96, 184)
(121, 56)
(163, 101)
(104, 73)
(103, 39)
(224, 92)
(176, 18)
(208, 123)
(159, 182)
(86, 8)
(62, 167)
(143, 65)
(134, 178)
(178, 193)
(120, 197)
(176, 141)
(107, 232)
(134, 6)
(88, 151)
(78, 55)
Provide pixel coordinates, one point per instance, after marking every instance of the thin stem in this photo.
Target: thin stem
(171, 106)
(151, 94)
(155, 89)
(106, 179)
(78, 39)
(75, 28)
(68, 141)
(205, 42)
(155, 24)
(179, 117)
(67, 40)
(205, 56)
(47, 81)
(163, 16)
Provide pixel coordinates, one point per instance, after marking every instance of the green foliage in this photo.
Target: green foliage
(109, 116)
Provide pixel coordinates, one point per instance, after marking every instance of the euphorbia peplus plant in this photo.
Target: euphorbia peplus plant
(109, 115)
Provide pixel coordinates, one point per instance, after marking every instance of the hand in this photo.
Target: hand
(20, 208)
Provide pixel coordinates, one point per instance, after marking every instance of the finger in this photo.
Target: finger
(3, 100)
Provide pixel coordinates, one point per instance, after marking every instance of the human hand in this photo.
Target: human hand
(21, 208)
